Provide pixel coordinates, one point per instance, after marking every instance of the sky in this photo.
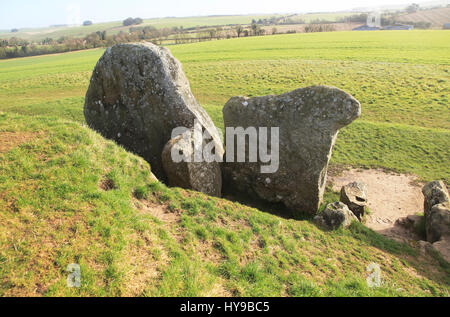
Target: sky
(43, 13)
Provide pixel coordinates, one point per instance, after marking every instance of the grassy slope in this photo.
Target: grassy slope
(141, 238)
(401, 78)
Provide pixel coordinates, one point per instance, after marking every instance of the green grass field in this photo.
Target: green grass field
(136, 237)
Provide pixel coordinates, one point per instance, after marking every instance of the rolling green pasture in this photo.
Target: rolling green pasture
(67, 195)
(401, 78)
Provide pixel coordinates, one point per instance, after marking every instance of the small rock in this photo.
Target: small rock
(414, 219)
(437, 222)
(335, 215)
(410, 222)
(424, 246)
(443, 247)
(354, 195)
(437, 211)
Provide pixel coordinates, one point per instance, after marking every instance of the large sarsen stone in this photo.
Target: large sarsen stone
(138, 94)
(309, 120)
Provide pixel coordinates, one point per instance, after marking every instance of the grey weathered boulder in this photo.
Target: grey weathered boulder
(137, 95)
(410, 222)
(435, 193)
(443, 247)
(335, 215)
(184, 172)
(309, 120)
(437, 222)
(437, 211)
(424, 246)
(354, 195)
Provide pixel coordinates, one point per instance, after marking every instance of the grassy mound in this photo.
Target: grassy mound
(69, 196)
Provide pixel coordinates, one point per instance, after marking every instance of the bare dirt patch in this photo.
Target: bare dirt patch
(218, 290)
(159, 212)
(391, 197)
(142, 269)
(9, 140)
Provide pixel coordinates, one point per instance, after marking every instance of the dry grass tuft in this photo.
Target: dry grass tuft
(10, 140)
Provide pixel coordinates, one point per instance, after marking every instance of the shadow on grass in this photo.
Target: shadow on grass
(276, 209)
(358, 231)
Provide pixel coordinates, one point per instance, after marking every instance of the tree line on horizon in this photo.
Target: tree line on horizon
(16, 47)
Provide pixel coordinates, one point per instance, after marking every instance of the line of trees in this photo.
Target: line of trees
(312, 28)
(413, 8)
(131, 21)
(354, 18)
(16, 47)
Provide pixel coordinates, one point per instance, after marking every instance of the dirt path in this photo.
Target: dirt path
(391, 196)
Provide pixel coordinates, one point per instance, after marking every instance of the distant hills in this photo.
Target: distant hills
(393, 7)
(55, 32)
(437, 17)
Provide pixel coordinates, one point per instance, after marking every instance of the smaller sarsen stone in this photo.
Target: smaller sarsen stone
(437, 223)
(335, 215)
(435, 193)
(183, 171)
(354, 195)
